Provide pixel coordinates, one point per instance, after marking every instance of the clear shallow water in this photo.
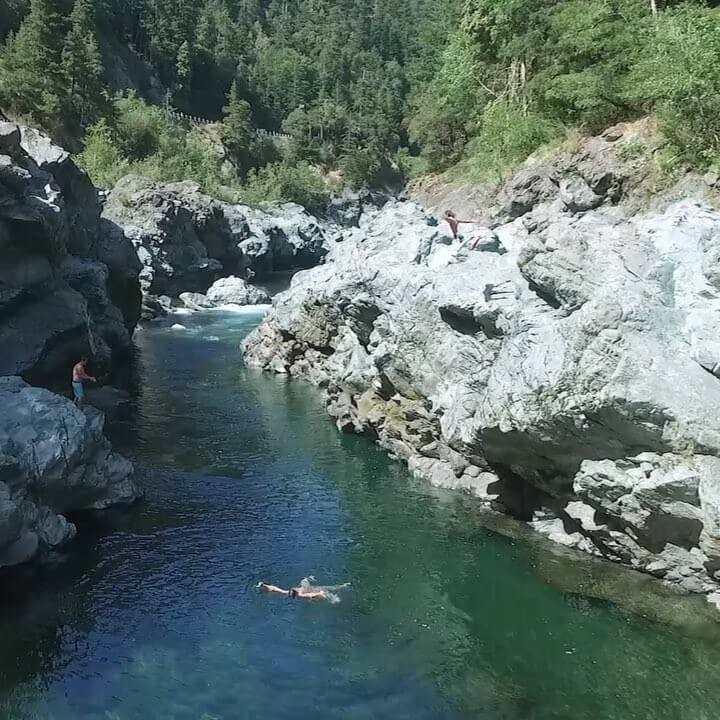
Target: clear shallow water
(153, 613)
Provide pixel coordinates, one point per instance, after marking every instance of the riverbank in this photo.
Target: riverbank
(560, 363)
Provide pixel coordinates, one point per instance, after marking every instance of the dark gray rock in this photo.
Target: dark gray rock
(54, 458)
(185, 240)
(172, 228)
(82, 208)
(56, 297)
(118, 253)
(527, 190)
(154, 307)
(286, 237)
(577, 195)
(347, 208)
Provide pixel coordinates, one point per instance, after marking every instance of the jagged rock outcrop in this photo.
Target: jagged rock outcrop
(616, 166)
(182, 237)
(186, 240)
(81, 206)
(56, 291)
(566, 370)
(54, 459)
(287, 237)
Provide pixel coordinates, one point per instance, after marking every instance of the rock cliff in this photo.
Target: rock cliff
(68, 287)
(562, 363)
(61, 292)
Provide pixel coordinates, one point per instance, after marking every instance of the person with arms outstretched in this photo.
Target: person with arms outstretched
(304, 591)
(454, 222)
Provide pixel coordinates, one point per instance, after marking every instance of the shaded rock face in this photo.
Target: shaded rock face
(54, 459)
(185, 240)
(81, 206)
(181, 237)
(571, 378)
(56, 299)
(286, 238)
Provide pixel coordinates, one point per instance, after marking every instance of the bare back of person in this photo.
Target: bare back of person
(79, 377)
(455, 222)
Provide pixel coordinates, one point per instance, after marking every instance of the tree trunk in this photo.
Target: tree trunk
(654, 8)
(512, 89)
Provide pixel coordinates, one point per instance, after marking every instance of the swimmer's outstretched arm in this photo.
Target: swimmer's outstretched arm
(333, 588)
(271, 588)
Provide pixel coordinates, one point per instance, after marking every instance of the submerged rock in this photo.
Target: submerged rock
(54, 459)
(574, 376)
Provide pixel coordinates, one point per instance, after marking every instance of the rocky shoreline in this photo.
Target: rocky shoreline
(562, 366)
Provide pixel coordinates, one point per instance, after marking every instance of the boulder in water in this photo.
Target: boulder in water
(195, 301)
(235, 291)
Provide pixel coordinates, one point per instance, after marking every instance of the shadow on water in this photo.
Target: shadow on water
(452, 614)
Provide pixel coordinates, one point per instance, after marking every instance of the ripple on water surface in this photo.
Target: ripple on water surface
(152, 613)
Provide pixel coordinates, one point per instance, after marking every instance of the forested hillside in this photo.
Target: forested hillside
(364, 86)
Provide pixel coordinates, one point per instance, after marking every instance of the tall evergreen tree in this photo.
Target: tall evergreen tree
(30, 72)
(82, 62)
(183, 67)
(237, 128)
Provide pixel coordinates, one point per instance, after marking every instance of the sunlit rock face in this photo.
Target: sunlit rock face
(561, 364)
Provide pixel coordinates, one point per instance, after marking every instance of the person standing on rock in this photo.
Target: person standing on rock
(79, 377)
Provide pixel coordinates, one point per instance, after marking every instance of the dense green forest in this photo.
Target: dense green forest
(368, 87)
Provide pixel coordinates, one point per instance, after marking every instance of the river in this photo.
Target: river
(152, 614)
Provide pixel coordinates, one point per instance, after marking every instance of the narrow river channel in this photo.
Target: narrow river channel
(152, 613)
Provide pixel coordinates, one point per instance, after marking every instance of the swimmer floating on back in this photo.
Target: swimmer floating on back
(305, 590)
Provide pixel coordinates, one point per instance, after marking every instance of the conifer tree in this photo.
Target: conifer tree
(82, 63)
(183, 66)
(30, 74)
(236, 127)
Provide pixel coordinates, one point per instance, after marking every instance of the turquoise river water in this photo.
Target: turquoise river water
(152, 614)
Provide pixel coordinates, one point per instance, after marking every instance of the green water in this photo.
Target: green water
(152, 612)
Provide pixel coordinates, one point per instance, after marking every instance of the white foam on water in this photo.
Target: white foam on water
(180, 311)
(330, 591)
(244, 309)
(178, 326)
(211, 338)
